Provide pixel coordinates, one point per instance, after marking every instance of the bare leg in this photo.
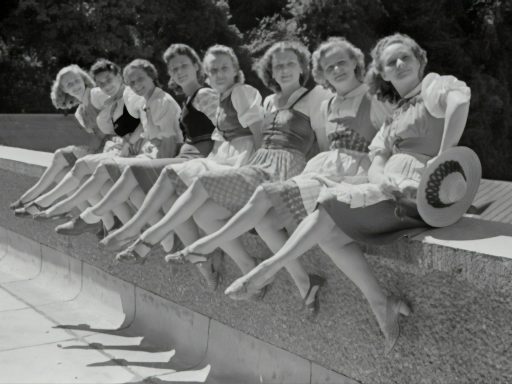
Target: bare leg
(158, 195)
(54, 173)
(182, 210)
(210, 218)
(314, 229)
(118, 194)
(67, 185)
(245, 219)
(88, 190)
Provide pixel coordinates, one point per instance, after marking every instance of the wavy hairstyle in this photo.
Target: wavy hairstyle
(219, 49)
(333, 43)
(61, 99)
(183, 50)
(384, 90)
(104, 65)
(146, 66)
(264, 65)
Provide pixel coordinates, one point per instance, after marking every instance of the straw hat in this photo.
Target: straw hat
(448, 186)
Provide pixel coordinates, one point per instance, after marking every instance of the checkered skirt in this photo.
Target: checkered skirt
(232, 188)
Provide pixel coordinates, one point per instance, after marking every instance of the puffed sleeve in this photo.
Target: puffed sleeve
(133, 102)
(247, 103)
(435, 88)
(317, 105)
(207, 102)
(98, 98)
(380, 143)
(165, 113)
(380, 112)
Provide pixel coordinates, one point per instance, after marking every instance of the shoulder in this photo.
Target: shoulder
(244, 91)
(435, 83)
(133, 102)
(163, 101)
(98, 97)
(316, 96)
(206, 95)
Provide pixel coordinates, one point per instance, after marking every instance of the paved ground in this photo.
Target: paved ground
(54, 330)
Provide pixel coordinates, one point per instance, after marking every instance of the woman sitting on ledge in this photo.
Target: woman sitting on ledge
(429, 119)
(72, 86)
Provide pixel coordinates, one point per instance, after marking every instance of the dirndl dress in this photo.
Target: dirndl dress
(410, 138)
(351, 123)
(287, 138)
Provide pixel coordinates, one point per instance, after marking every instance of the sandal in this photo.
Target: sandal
(16, 205)
(214, 278)
(115, 244)
(186, 257)
(130, 255)
(31, 209)
(315, 281)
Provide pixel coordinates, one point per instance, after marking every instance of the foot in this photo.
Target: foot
(131, 254)
(212, 277)
(112, 242)
(312, 298)
(29, 210)
(186, 257)
(387, 317)
(16, 205)
(77, 226)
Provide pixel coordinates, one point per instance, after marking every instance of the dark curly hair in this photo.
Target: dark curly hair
(384, 90)
(264, 65)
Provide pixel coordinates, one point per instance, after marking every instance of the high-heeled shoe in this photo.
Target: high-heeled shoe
(186, 257)
(130, 254)
(390, 326)
(29, 210)
(313, 306)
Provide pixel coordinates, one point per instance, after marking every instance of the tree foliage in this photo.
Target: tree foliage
(471, 39)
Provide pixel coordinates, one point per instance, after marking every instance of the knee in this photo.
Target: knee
(101, 171)
(260, 199)
(80, 169)
(59, 160)
(269, 223)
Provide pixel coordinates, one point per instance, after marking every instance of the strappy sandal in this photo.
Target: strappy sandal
(214, 278)
(186, 257)
(313, 306)
(130, 255)
(29, 210)
(16, 205)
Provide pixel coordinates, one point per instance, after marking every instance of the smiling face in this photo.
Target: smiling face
(140, 82)
(73, 84)
(286, 69)
(182, 70)
(339, 70)
(400, 67)
(221, 71)
(109, 82)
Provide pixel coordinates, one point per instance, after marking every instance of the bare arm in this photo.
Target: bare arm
(457, 109)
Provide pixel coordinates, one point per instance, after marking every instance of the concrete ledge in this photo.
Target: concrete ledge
(460, 331)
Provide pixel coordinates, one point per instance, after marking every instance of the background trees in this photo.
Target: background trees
(471, 39)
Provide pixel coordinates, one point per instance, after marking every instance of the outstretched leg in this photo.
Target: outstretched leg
(67, 185)
(89, 189)
(54, 173)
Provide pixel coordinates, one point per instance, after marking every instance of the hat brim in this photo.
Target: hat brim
(442, 217)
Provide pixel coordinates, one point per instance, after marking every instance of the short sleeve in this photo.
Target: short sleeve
(207, 102)
(380, 112)
(98, 98)
(133, 102)
(379, 144)
(247, 103)
(435, 88)
(165, 113)
(317, 102)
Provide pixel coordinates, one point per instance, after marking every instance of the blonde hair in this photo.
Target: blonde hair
(378, 86)
(336, 43)
(264, 65)
(219, 49)
(61, 99)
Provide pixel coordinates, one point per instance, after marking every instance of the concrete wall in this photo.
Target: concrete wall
(460, 331)
(41, 132)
